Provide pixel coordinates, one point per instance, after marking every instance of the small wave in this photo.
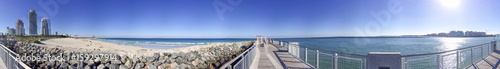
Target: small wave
(160, 43)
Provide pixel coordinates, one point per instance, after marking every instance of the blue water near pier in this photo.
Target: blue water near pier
(168, 43)
(404, 45)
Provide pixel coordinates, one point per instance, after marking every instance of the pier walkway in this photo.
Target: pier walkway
(490, 62)
(276, 57)
(2, 65)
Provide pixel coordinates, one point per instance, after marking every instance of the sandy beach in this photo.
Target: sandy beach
(95, 46)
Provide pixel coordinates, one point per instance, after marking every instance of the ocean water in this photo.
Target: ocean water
(168, 43)
(406, 46)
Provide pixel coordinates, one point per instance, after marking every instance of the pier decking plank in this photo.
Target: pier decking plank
(490, 62)
(276, 57)
(2, 65)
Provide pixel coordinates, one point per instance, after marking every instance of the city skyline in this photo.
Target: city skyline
(459, 33)
(20, 31)
(199, 19)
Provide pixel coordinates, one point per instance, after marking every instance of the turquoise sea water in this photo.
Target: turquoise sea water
(168, 43)
(406, 46)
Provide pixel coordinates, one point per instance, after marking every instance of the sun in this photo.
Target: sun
(450, 3)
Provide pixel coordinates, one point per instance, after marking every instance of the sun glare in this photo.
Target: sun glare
(450, 3)
(451, 43)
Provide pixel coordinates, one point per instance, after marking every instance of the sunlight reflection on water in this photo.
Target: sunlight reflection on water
(451, 43)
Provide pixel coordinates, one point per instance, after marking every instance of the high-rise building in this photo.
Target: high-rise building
(32, 22)
(442, 34)
(456, 33)
(11, 31)
(19, 27)
(475, 34)
(469, 33)
(45, 27)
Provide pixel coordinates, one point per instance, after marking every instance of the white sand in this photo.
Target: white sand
(88, 45)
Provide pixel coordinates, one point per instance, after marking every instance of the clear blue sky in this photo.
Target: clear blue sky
(274, 18)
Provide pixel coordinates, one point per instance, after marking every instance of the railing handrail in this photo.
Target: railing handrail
(237, 57)
(296, 52)
(12, 54)
(352, 54)
(412, 55)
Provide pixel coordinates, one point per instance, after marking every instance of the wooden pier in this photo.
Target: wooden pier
(273, 56)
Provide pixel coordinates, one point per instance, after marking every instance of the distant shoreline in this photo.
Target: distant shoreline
(392, 37)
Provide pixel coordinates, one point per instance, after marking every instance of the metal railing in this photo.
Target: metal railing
(329, 59)
(244, 60)
(9, 59)
(452, 59)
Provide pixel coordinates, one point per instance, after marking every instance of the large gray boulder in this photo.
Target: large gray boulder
(123, 67)
(151, 59)
(139, 65)
(88, 67)
(116, 62)
(156, 55)
(150, 66)
(113, 66)
(64, 66)
(102, 66)
(128, 64)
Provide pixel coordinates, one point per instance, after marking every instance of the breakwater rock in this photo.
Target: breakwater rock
(207, 57)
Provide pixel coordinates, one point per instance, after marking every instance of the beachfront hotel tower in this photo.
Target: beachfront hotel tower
(10, 31)
(32, 23)
(19, 27)
(45, 27)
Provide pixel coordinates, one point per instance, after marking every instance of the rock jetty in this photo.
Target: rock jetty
(210, 57)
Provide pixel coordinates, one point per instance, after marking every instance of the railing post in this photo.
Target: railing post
(293, 47)
(438, 63)
(489, 49)
(458, 59)
(289, 48)
(336, 60)
(494, 45)
(298, 52)
(306, 55)
(472, 56)
(482, 51)
(280, 42)
(317, 59)
(333, 62)
(403, 63)
(365, 64)
(243, 63)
